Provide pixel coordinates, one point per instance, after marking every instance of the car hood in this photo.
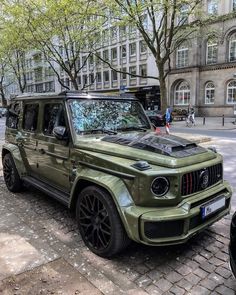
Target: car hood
(158, 149)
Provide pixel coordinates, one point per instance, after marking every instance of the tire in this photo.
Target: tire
(11, 175)
(99, 222)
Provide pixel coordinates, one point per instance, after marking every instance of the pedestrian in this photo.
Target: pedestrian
(191, 115)
(167, 119)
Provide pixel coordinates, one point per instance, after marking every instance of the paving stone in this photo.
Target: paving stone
(163, 284)
(155, 275)
(177, 291)
(208, 267)
(173, 277)
(193, 279)
(231, 283)
(153, 290)
(209, 284)
(217, 278)
(199, 259)
(222, 256)
(225, 273)
(184, 270)
(215, 261)
(184, 284)
(201, 273)
(144, 281)
(142, 269)
(224, 290)
(198, 290)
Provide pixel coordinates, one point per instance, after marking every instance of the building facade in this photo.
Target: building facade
(203, 68)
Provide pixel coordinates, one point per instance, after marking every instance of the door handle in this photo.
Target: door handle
(42, 151)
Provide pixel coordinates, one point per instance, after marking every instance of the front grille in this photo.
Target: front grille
(163, 229)
(192, 182)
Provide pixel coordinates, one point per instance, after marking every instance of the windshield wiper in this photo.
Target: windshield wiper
(103, 130)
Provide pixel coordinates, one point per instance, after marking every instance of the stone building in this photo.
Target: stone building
(203, 69)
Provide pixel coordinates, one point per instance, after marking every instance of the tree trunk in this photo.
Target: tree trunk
(163, 90)
(74, 82)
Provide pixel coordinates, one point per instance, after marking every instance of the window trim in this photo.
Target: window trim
(228, 88)
(207, 88)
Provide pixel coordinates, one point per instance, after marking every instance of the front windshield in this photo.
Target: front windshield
(93, 115)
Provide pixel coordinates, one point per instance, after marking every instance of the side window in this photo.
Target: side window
(13, 116)
(53, 116)
(30, 117)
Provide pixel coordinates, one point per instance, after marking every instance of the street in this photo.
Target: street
(51, 235)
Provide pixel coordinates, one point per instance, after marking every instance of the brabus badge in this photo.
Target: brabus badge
(204, 179)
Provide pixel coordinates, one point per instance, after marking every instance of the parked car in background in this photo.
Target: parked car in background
(157, 118)
(232, 246)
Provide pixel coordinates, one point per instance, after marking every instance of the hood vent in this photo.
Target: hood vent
(158, 143)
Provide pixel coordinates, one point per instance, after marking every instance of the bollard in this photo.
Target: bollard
(223, 120)
(204, 120)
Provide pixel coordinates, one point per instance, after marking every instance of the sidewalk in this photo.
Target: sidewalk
(211, 123)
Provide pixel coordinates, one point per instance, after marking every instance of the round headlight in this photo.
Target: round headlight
(160, 186)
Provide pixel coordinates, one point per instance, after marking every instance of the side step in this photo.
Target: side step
(53, 192)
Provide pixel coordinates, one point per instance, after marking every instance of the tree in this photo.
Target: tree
(163, 24)
(61, 30)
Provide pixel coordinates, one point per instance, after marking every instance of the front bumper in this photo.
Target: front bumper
(175, 225)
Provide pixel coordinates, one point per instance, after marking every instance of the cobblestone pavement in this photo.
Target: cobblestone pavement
(198, 267)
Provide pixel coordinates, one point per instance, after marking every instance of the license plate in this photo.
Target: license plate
(212, 206)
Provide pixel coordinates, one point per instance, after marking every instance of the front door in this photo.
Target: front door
(53, 164)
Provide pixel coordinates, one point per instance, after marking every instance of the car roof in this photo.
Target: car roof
(64, 95)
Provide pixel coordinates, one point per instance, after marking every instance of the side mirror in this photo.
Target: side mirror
(60, 132)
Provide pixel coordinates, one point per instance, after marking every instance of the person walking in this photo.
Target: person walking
(167, 118)
(191, 115)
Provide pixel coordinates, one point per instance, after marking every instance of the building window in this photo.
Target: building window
(182, 93)
(232, 47)
(85, 80)
(234, 5)
(132, 71)
(106, 76)
(183, 15)
(114, 75)
(209, 93)
(182, 56)
(132, 49)
(143, 71)
(84, 62)
(114, 33)
(50, 86)
(39, 88)
(114, 53)
(99, 77)
(212, 51)
(91, 78)
(123, 51)
(212, 7)
(122, 31)
(106, 55)
(142, 47)
(231, 92)
(123, 75)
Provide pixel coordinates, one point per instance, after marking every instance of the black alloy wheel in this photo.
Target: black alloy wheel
(10, 173)
(99, 223)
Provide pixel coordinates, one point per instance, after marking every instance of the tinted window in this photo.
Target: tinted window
(53, 116)
(13, 116)
(30, 117)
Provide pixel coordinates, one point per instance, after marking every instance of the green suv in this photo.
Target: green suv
(100, 156)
